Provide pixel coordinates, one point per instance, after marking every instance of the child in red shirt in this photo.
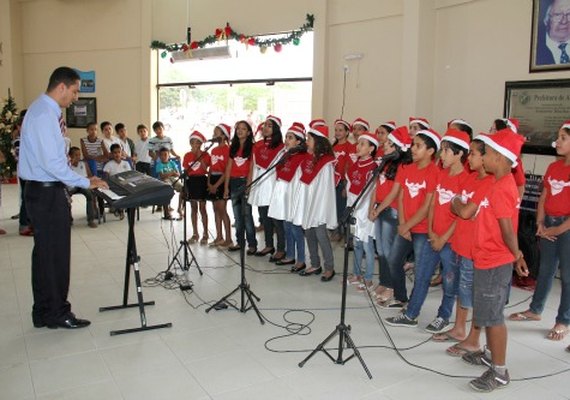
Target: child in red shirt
(216, 178)
(235, 180)
(553, 221)
(196, 163)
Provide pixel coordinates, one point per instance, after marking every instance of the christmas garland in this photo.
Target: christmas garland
(227, 33)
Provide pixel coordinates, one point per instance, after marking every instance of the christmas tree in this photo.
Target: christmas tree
(8, 120)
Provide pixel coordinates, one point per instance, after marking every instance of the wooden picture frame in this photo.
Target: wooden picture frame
(550, 29)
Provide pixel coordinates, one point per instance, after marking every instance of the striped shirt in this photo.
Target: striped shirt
(94, 150)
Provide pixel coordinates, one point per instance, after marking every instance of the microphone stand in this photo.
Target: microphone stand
(186, 263)
(244, 287)
(343, 330)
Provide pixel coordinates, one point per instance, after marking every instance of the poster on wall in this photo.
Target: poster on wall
(550, 47)
(541, 107)
(81, 112)
(87, 81)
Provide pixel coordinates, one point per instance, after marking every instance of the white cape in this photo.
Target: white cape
(260, 193)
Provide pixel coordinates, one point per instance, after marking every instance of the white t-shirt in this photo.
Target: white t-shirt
(113, 167)
(141, 149)
(111, 141)
(80, 168)
(125, 146)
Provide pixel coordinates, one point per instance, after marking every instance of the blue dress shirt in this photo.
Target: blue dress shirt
(42, 147)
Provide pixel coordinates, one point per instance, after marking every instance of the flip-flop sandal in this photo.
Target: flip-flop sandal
(568, 349)
(523, 316)
(444, 337)
(557, 334)
(457, 350)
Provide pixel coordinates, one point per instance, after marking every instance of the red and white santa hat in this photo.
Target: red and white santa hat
(459, 121)
(421, 121)
(362, 122)
(458, 137)
(198, 136)
(298, 129)
(512, 124)
(433, 135)
(275, 119)
(317, 122)
(372, 138)
(506, 142)
(565, 125)
(401, 138)
(322, 131)
(389, 124)
(226, 130)
(344, 123)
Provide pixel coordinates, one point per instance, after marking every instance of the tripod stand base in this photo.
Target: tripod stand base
(344, 339)
(141, 329)
(245, 292)
(186, 263)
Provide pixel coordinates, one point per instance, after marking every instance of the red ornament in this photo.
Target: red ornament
(218, 32)
(228, 30)
(251, 41)
(194, 45)
(278, 47)
(185, 47)
(242, 38)
(171, 60)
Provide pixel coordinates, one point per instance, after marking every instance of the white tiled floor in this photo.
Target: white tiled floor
(221, 355)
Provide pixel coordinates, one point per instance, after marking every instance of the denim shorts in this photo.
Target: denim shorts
(490, 293)
(465, 290)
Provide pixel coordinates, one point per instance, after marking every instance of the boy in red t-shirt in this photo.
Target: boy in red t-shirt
(496, 250)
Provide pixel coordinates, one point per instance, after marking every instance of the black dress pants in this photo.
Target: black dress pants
(48, 210)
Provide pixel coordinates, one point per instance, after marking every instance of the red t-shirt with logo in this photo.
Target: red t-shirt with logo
(240, 165)
(263, 154)
(502, 201)
(446, 188)
(344, 154)
(195, 168)
(557, 185)
(472, 190)
(416, 184)
(219, 159)
(383, 188)
(359, 173)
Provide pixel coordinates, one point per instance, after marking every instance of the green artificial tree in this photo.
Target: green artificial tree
(8, 120)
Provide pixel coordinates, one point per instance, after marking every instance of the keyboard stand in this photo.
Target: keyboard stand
(132, 260)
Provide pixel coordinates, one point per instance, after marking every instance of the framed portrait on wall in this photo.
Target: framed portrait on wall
(550, 41)
(81, 112)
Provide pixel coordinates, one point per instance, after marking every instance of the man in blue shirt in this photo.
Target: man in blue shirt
(43, 164)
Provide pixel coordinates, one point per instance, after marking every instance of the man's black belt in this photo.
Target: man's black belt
(46, 184)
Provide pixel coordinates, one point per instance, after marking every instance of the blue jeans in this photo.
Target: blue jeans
(386, 226)
(243, 220)
(553, 254)
(295, 239)
(465, 288)
(425, 267)
(361, 249)
(398, 255)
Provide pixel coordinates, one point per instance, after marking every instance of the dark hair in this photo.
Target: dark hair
(119, 126)
(72, 149)
(375, 150)
(391, 167)
(163, 149)
(455, 149)
(141, 126)
(464, 128)
(157, 125)
(567, 130)
(276, 136)
(389, 129)
(480, 145)
(115, 146)
(64, 75)
(20, 120)
(500, 124)
(322, 147)
(248, 144)
(429, 142)
(104, 124)
(90, 124)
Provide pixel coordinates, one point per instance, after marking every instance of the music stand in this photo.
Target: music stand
(343, 330)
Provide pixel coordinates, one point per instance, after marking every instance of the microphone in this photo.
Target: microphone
(287, 155)
(295, 150)
(388, 157)
(213, 140)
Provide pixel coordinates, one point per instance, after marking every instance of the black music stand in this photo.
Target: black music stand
(133, 260)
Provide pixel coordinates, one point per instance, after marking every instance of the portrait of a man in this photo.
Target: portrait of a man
(550, 35)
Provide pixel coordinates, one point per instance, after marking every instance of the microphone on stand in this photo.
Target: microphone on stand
(287, 155)
(213, 140)
(389, 157)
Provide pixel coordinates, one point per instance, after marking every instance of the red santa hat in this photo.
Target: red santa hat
(459, 121)
(198, 136)
(420, 120)
(346, 124)
(401, 138)
(506, 142)
(322, 131)
(512, 124)
(274, 119)
(362, 122)
(458, 137)
(298, 129)
(433, 135)
(372, 138)
(317, 122)
(565, 125)
(389, 124)
(226, 130)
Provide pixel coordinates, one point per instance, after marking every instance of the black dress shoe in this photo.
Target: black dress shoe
(252, 251)
(38, 322)
(234, 248)
(306, 272)
(299, 268)
(265, 252)
(276, 259)
(70, 323)
(284, 262)
(328, 278)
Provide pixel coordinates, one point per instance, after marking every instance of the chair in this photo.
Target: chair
(156, 175)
